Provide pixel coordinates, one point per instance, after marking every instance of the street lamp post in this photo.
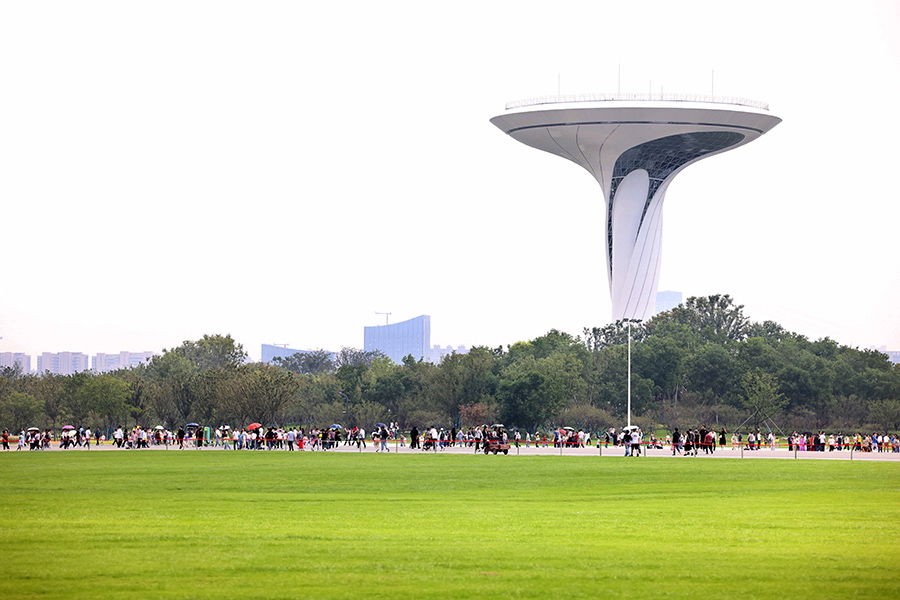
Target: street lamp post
(629, 321)
(347, 406)
(629, 372)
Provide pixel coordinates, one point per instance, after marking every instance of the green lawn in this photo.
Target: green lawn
(154, 524)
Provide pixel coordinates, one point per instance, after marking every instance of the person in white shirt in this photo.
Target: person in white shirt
(434, 437)
(290, 438)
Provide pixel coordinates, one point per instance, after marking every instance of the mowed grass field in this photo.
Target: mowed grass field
(204, 524)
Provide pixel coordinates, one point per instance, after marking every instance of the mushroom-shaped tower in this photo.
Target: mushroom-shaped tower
(634, 146)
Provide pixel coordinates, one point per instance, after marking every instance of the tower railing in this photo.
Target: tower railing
(648, 97)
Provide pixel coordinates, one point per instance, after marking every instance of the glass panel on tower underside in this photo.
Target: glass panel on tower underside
(660, 158)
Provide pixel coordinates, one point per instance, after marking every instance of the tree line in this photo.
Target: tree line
(702, 363)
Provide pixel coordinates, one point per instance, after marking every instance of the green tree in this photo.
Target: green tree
(19, 411)
(533, 391)
(886, 414)
(445, 386)
(478, 376)
(211, 351)
(770, 331)
(366, 414)
(614, 334)
(236, 405)
(660, 360)
(716, 317)
(761, 395)
(160, 403)
(521, 400)
(50, 390)
(713, 371)
(270, 388)
(475, 414)
(307, 363)
(355, 358)
(758, 353)
(138, 402)
(78, 403)
(173, 373)
(104, 396)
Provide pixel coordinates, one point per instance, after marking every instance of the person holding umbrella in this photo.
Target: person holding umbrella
(32, 433)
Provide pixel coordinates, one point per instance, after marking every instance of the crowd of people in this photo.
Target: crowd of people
(691, 442)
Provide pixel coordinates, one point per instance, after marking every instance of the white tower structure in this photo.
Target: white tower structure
(634, 145)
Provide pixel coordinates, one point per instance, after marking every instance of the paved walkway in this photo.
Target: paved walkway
(611, 451)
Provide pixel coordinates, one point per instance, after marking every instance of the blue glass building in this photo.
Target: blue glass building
(271, 352)
(396, 341)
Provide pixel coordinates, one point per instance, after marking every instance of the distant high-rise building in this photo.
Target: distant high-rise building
(436, 354)
(667, 301)
(9, 359)
(62, 363)
(101, 363)
(894, 356)
(399, 340)
(270, 352)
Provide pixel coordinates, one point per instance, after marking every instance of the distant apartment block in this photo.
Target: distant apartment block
(62, 363)
(102, 363)
(437, 354)
(893, 355)
(399, 340)
(270, 352)
(9, 359)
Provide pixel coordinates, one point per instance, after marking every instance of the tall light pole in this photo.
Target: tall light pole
(629, 366)
(347, 411)
(629, 372)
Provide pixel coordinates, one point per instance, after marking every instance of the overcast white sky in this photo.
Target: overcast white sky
(280, 171)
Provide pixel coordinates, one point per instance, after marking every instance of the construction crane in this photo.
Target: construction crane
(386, 315)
